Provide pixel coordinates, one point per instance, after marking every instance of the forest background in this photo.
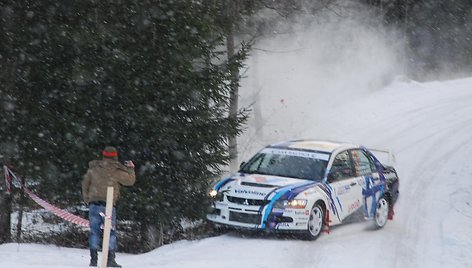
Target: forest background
(159, 80)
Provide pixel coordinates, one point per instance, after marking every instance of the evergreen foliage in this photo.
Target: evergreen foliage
(438, 34)
(149, 77)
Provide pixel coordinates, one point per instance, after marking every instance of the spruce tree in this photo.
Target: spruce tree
(149, 77)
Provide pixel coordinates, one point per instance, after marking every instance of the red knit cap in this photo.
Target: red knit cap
(110, 152)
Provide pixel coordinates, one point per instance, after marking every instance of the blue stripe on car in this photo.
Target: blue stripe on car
(223, 183)
(280, 193)
(328, 190)
(371, 190)
(291, 191)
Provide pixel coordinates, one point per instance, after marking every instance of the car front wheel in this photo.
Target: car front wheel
(315, 222)
(381, 213)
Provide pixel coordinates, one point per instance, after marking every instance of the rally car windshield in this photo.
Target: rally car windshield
(288, 163)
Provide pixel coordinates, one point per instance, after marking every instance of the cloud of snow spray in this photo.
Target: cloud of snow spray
(295, 78)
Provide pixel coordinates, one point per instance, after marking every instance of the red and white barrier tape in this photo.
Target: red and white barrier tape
(53, 209)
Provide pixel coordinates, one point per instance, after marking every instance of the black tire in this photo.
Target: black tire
(381, 213)
(316, 222)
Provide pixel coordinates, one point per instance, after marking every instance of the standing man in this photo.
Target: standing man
(100, 175)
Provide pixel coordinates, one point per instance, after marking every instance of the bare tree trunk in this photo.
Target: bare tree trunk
(406, 67)
(152, 235)
(258, 119)
(5, 221)
(233, 110)
(19, 225)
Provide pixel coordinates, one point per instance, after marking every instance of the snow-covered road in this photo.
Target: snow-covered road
(427, 125)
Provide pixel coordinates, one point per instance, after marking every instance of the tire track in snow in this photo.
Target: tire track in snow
(415, 208)
(432, 132)
(422, 137)
(417, 179)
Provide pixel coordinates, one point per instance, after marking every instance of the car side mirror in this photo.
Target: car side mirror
(242, 164)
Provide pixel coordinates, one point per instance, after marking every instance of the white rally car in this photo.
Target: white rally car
(306, 186)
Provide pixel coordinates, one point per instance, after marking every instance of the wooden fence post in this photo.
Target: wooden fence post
(106, 231)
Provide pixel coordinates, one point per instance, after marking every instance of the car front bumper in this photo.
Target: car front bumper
(255, 217)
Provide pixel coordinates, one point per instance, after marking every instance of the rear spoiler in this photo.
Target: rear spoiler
(386, 157)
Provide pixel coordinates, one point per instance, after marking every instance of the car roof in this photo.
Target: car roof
(314, 145)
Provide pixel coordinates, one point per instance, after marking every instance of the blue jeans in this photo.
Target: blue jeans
(96, 220)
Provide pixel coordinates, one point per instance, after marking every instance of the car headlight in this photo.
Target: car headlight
(214, 194)
(293, 203)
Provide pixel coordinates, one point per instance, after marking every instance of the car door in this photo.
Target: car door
(369, 180)
(345, 185)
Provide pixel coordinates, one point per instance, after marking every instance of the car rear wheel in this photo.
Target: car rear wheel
(381, 213)
(315, 222)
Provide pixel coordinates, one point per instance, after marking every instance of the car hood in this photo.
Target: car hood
(258, 186)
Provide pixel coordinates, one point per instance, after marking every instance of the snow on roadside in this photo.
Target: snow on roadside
(427, 125)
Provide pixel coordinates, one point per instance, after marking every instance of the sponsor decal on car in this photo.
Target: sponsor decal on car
(252, 192)
(342, 190)
(321, 156)
(301, 213)
(354, 206)
(278, 210)
(265, 179)
(282, 224)
(260, 179)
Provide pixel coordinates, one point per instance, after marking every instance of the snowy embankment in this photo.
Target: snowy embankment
(429, 128)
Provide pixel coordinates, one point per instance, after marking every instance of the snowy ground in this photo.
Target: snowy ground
(427, 125)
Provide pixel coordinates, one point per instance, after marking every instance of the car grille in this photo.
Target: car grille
(245, 218)
(247, 202)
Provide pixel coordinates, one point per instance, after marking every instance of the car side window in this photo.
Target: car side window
(362, 163)
(372, 162)
(341, 167)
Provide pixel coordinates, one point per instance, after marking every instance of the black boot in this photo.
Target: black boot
(93, 258)
(111, 260)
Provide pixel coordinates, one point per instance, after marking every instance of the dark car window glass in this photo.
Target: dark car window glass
(294, 165)
(256, 163)
(362, 163)
(373, 167)
(341, 167)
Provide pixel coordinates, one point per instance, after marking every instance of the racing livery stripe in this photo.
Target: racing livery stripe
(288, 187)
(223, 183)
(282, 191)
(289, 192)
(294, 192)
(371, 191)
(329, 193)
(283, 188)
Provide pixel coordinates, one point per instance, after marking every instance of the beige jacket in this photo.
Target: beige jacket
(104, 173)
